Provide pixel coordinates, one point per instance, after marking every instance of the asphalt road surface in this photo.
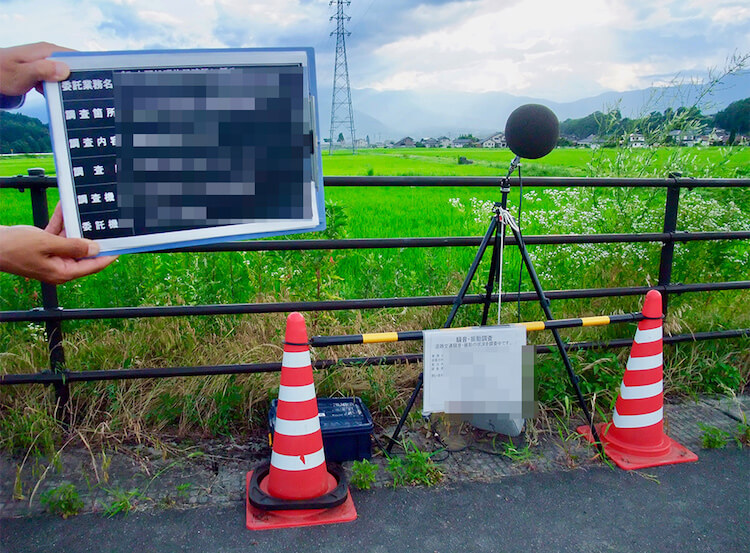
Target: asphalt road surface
(693, 507)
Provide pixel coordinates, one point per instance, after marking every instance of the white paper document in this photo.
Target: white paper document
(475, 370)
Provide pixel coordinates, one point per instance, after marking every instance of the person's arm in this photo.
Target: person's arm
(47, 255)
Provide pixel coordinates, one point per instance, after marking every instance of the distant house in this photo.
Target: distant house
(430, 143)
(496, 140)
(591, 141)
(718, 136)
(406, 142)
(444, 142)
(687, 138)
(675, 136)
(463, 143)
(360, 143)
(636, 140)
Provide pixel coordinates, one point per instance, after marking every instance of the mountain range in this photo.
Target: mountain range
(383, 115)
(391, 115)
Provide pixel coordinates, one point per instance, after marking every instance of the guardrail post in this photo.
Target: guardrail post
(40, 212)
(670, 226)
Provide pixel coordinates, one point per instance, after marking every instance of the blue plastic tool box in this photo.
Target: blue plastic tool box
(345, 424)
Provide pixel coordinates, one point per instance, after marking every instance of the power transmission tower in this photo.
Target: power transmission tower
(342, 114)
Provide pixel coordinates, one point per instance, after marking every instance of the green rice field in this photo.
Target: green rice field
(216, 405)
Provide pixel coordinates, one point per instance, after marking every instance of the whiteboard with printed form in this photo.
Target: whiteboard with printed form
(173, 148)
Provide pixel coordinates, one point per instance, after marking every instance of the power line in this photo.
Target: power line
(342, 114)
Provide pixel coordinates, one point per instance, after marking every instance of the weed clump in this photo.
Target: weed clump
(62, 500)
(363, 474)
(713, 438)
(416, 468)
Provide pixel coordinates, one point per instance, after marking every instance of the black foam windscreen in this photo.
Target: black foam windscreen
(531, 131)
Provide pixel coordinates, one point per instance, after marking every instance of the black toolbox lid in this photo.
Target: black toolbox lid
(338, 415)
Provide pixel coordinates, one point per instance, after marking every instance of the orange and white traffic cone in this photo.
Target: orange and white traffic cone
(635, 438)
(298, 488)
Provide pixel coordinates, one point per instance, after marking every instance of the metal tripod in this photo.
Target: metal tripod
(500, 220)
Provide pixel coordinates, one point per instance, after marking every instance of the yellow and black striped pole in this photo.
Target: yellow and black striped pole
(384, 337)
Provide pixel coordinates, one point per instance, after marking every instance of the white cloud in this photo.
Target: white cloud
(628, 76)
(731, 15)
(282, 13)
(558, 50)
(496, 47)
(162, 18)
(543, 48)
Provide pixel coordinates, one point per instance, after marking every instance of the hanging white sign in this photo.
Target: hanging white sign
(475, 370)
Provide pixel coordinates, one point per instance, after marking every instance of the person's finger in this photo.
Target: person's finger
(56, 223)
(72, 269)
(75, 248)
(47, 70)
(38, 50)
(25, 76)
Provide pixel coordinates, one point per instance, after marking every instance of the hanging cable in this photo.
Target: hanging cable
(520, 268)
(505, 218)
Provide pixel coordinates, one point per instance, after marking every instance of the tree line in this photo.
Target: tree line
(735, 119)
(20, 134)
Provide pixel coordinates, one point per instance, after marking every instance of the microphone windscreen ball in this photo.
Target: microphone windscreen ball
(531, 131)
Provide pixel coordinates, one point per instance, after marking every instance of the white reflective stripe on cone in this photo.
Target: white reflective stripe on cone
(641, 392)
(297, 393)
(637, 421)
(296, 463)
(297, 428)
(645, 363)
(650, 335)
(295, 359)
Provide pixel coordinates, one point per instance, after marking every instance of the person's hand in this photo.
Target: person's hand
(48, 255)
(25, 67)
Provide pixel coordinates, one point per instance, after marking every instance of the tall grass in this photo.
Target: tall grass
(228, 404)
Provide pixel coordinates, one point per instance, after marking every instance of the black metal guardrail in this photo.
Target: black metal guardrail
(53, 315)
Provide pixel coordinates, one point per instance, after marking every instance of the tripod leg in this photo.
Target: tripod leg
(472, 271)
(544, 302)
(495, 266)
(405, 414)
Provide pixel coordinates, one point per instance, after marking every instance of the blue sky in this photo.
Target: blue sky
(559, 50)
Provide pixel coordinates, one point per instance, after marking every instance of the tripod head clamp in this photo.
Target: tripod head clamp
(504, 217)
